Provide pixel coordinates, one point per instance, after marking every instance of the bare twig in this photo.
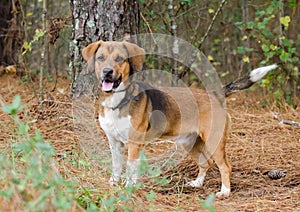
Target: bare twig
(284, 121)
(150, 30)
(211, 23)
(183, 73)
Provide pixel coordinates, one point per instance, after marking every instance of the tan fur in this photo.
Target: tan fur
(174, 125)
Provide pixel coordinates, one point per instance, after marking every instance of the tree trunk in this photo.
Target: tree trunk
(11, 32)
(6, 16)
(98, 20)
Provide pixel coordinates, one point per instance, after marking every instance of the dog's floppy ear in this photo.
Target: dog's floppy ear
(89, 52)
(136, 55)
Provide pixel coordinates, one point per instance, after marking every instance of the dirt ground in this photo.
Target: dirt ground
(257, 144)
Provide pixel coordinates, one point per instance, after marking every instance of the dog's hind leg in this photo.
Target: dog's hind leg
(198, 154)
(224, 166)
(219, 156)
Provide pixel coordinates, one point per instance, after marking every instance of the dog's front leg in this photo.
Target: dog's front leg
(117, 160)
(133, 163)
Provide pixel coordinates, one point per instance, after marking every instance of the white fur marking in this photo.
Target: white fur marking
(224, 191)
(132, 171)
(117, 129)
(198, 182)
(259, 73)
(117, 159)
(113, 180)
(114, 126)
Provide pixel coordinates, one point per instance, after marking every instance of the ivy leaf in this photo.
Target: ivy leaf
(210, 58)
(286, 42)
(248, 49)
(27, 46)
(246, 59)
(273, 47)
(292, 3)
(261, 25)
(210, 11)
(284, 56)
(285, 21)
(241, 49)
(295, 59)
(270, 10)
(189, 2)
(266, 83)
(276, 4)
(265, 48)
(260, 13)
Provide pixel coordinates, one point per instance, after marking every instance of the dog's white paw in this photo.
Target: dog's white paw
(198, 182)
(130, 182)
(224, 193)
(195, 183)
(113, 180)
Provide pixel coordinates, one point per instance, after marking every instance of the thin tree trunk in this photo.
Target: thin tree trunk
(246, 41)
(44, 49)
(175, 49)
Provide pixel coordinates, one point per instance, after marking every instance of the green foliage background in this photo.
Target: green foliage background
(246, 34)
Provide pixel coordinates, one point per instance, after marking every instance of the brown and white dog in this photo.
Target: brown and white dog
(125, 109)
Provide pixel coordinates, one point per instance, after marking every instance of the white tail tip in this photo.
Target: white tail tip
(259, 73)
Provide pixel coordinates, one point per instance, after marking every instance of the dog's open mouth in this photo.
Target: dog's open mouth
(109, 85)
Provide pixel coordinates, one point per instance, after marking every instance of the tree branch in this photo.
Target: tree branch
(211, 23)
(284, 121)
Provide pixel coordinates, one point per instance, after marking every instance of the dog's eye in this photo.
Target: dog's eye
(100, 58)
(119, 59)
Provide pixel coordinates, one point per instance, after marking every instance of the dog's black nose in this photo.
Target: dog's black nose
(107, 71)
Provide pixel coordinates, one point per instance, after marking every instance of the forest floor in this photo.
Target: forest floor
(257, 144)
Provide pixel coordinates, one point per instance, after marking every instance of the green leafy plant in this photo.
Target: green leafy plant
(28, 169)
(208, 203)
(275, 46)
(27, 46)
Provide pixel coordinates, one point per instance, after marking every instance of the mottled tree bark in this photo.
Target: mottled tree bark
(94, 20)
(11, 32)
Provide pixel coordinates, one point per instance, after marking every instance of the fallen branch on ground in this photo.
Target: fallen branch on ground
(284, 121)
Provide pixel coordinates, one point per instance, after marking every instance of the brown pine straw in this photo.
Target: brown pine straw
(258, 143)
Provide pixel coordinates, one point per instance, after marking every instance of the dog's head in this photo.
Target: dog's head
(113, 62)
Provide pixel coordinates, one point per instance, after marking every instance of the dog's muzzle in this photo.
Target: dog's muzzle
(109, 83)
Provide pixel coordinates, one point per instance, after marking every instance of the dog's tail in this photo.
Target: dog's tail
(247, 80)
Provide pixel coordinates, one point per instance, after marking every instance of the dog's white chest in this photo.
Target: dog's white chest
(115, 126)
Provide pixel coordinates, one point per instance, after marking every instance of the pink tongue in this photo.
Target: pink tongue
(107, 86)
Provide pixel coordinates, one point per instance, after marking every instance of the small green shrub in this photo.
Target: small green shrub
(28, 169)
(270, 31)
